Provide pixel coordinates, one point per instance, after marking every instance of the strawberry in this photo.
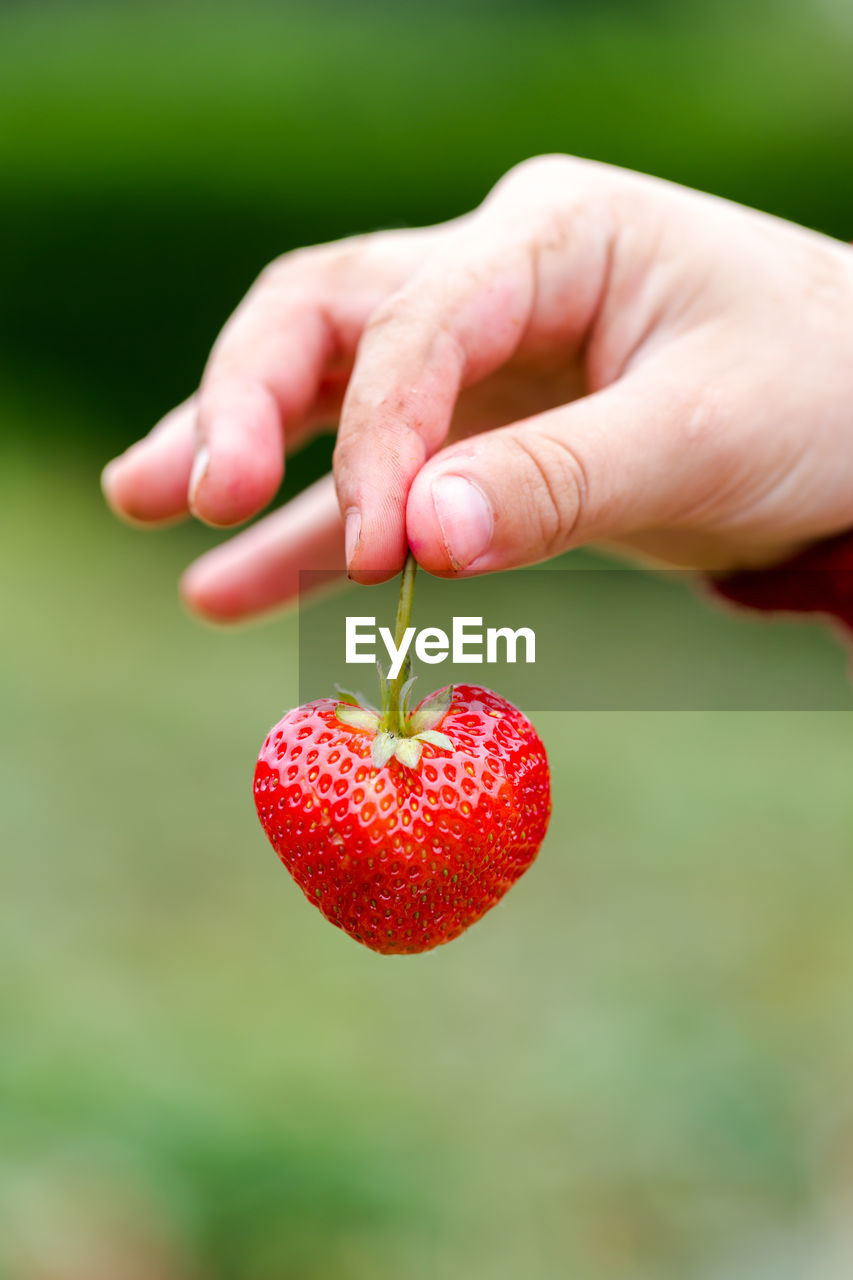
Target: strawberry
(403, 827)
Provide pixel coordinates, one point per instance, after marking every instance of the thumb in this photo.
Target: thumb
(623, 459)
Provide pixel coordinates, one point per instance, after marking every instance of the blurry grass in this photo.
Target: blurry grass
(637, 1067)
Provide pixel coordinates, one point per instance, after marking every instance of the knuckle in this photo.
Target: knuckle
(425, 310)
(416, 324)
(398, 310)
(557, 482)
(546, 196)
(537, 171)
(282, 269)
(312, 262)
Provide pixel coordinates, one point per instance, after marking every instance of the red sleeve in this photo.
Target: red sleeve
(818, 580)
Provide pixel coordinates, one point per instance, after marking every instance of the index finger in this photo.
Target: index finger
(504, 274)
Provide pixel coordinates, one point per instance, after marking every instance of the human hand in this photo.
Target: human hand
(590, 356)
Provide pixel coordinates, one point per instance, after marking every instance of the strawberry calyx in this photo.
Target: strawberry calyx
(399, 732)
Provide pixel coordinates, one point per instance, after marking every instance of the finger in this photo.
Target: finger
(468, 310)
(251, 395)
(278, 369)
(631, 457)
(259, 569)
(148, 482)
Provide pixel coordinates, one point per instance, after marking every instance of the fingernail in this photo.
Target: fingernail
(200, 465)
(352, 530)
(465, 517)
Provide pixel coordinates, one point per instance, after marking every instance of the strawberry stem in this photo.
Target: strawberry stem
(404, 614)
(395, 733)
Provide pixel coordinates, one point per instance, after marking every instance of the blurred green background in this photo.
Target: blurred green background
(639, 1067)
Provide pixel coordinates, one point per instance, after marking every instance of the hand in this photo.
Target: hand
(591, 355)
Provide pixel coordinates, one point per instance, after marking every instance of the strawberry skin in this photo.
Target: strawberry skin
(405, 858)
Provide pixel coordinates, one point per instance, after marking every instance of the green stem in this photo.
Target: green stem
(404, 613)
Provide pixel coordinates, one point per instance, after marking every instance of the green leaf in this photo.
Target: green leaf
(435, 739)
(384, 746)
(432, 711)
(356, 699)
(357, 717)
(404, 695)
(408, 752)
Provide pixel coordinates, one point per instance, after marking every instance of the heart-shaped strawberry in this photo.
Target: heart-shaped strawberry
(404, 827)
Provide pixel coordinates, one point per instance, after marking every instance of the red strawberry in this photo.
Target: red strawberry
(401, 835)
